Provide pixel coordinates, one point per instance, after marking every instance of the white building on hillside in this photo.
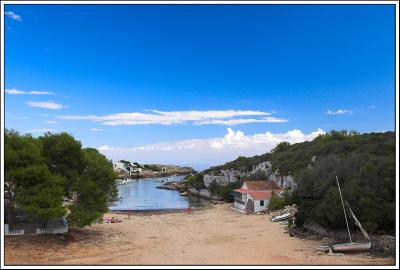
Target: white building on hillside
(254, 196)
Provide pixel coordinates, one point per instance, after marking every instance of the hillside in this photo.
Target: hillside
(364, 163)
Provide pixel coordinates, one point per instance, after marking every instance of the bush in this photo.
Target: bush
(276, 202)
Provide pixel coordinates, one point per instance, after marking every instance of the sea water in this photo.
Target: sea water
(142, 194)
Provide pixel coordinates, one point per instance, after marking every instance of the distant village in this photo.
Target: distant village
(127, 169)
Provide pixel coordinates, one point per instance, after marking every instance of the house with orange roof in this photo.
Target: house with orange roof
(254, 196)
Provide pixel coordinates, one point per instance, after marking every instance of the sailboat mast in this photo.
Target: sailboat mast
(344, 211)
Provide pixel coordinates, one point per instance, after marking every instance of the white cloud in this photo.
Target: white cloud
(52, 122)
(46, 105)
(212, 150)
(96, 129)
(19, 92)
(233, 122)
(339, 111)
(212, 117)
(13, 16)
(239, 139)
(105, 148)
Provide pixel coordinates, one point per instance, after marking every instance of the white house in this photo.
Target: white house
(254, 196)
(127, 167)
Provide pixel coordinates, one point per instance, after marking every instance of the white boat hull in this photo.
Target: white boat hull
(354, 246)
(282, 217)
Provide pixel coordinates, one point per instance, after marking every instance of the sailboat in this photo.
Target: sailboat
(351, 246)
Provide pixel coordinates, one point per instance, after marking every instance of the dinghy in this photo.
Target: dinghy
(351, 246)
(282, 217)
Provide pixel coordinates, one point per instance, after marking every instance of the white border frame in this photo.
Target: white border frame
(107, 2)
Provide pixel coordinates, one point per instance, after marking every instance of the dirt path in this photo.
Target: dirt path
(217, 235)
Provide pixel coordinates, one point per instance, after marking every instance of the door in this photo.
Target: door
(250, 206)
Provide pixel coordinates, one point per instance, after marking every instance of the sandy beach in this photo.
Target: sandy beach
(213, 236)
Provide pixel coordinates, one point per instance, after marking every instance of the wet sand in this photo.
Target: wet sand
(214, 236)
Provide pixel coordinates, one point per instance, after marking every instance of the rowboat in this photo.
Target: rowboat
(351, 247)
(282, 217)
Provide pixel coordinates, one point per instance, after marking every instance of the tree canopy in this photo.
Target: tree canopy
(40, 173)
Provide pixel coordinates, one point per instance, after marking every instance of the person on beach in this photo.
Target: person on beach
(189, 210)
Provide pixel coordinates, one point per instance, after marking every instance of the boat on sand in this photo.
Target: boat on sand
(351, 246)
(282, 217)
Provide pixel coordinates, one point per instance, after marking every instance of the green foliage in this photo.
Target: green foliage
(152, 167)
(63, 155)
(100, 170)
(40, 193)
(29, 185)
(90, 204)
(257, 176)
(223, 192)
(364, 163)
(242, 164)
(276, 202)
(195, 181)
(40, 172)
(281, 147)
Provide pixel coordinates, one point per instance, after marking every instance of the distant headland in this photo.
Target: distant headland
(128, 169)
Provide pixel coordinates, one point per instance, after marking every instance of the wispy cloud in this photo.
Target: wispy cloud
(339, 111)
(19, 92)
(96, 129)
(52, 122)
(212, 150)
(11, 115)
(212, 117)
(46, 105)
(233, 122)
(13, 16)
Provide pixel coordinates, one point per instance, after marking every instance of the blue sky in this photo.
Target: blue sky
(164, 83)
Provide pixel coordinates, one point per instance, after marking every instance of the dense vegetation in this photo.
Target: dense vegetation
(364, 164)
(41, 173)
(243, 164)
(152, 167)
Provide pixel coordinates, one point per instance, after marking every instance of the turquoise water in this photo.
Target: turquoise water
(142, 194)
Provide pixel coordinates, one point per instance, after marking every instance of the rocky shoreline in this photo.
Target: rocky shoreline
(174, 185)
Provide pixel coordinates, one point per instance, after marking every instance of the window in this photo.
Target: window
(261, 203)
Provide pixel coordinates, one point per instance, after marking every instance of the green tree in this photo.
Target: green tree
(39, 172)
(40, 194)
(100, 169)
(276, 202)
(90, 203)
(63, 155)
(29, 186)
(94, 190)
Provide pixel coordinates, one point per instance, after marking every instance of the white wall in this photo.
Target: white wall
(119, 165)
(258, 208)
(239, 206)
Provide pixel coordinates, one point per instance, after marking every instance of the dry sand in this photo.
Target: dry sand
(218, 235)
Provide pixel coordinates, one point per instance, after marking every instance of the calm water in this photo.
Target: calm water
(142, 194)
